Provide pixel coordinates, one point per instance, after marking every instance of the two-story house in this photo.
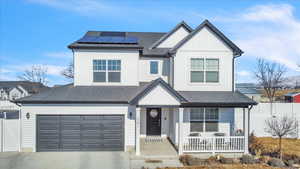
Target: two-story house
(132, 88)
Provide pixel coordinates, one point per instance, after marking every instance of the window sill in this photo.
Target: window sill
(204, 84)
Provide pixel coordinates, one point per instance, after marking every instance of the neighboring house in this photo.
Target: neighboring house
(12, 90)
(135, 87)
(249, 89)
(9, 111)
(293, 97)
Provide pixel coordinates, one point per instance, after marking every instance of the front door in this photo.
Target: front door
(153, 121)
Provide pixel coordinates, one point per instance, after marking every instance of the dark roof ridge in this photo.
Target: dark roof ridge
(181, 24)
(237, 51)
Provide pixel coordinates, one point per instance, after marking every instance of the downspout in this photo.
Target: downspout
(249, 108)
(233, 71)
(73, 67)
(171, 81)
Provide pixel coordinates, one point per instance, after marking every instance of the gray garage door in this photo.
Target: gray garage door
(80, 133)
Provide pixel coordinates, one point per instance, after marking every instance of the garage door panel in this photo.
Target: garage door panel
(80, 132)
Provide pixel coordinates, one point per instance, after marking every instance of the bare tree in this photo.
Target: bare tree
(281, 127)
(270, 76)
(68, 72)
(37, 73)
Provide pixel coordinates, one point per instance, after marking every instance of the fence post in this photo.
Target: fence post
(214, 146)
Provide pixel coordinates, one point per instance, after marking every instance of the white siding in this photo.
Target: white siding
(83, 66)
(261, 112)
(174, 38)
(144, 69)
(159, 96)
(29, 125)
(204, 44)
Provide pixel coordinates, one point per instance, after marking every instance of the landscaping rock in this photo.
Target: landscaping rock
(275, 162)
(226, 161)
(290, 163)
(248, 159)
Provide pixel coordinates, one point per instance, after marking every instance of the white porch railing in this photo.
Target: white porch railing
(214, 144)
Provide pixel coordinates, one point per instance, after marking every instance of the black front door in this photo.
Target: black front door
(153, 121)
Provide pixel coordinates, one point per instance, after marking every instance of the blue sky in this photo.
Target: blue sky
(38, 31)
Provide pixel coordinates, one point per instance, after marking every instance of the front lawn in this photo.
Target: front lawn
(268, 145)
(226, 166)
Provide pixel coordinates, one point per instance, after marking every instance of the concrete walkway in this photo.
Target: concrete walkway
(65, 160)
(161, 148)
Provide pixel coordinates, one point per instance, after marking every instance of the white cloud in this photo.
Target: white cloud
(270, 32)
(244, 73)
(82, 6)
(12, 71)
(54, 70)
(59, 54)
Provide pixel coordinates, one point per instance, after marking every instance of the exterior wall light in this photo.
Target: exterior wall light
(27, 116)
(130, 115)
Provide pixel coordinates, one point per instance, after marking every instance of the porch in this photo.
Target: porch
(193, 121)
(171, 133)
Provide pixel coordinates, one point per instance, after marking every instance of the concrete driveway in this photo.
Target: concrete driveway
(65, 160)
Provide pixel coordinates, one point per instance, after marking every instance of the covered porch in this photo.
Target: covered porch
(191, 121)
(168, 130)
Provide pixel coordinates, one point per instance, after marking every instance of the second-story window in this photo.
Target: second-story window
(107, 70)
(204, 70)
(154, 67)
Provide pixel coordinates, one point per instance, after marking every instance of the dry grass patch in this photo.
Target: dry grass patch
(269, 145)
(233, 166)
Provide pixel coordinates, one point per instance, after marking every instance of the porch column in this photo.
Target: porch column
(137, 130)
(180, 131)
(246, 129)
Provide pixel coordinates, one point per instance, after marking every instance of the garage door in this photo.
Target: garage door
(80, 133)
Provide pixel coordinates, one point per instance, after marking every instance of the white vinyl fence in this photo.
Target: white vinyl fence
(261, 112)
(9, 127)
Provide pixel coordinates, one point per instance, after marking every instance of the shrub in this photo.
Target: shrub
(212, 160)
(185, 159)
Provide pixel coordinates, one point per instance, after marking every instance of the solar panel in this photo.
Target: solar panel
(108, 40)
(119, 34)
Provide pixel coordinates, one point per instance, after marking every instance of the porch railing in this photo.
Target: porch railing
(214, 144)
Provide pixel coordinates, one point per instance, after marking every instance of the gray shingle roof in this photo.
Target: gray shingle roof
(213, 98)
(128, 94)
(85, 94)
(31, 87)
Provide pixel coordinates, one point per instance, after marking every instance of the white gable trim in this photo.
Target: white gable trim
(159, 95)
(174, 38)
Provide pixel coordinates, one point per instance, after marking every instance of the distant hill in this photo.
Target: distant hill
(292, 81)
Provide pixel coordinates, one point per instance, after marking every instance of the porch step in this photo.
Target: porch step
(153, 139)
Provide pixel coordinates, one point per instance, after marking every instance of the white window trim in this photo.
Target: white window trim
(158, 73)
(106, 72)
(204, 82)
(204, 121)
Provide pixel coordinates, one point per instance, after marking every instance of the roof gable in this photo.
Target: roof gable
(158, 84)
(206, 24)
(180, 31)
